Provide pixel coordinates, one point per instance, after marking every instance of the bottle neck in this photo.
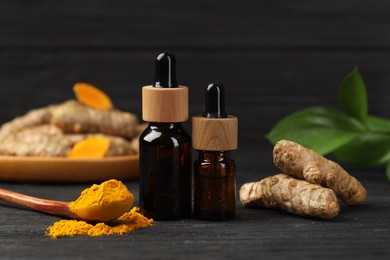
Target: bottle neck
(165, 126)
(214, 155)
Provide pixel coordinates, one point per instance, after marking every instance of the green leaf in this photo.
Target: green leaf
(318, 128)
(369, 149)
(378, 124)
(353, 96)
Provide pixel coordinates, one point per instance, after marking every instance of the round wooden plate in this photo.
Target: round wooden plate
(61, 170)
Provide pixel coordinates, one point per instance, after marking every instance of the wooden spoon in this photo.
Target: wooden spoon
(58, 208)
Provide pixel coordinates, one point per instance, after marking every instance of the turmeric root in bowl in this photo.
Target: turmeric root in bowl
(68, 138)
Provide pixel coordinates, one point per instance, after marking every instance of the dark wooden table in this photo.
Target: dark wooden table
(274, 57)
(356, 233)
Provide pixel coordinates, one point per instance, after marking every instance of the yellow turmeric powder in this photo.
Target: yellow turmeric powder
(127, 223)
(110, 201)
(103, 202)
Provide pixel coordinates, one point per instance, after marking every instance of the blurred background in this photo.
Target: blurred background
(274, 57)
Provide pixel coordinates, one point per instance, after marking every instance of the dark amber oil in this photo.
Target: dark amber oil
(165, 158)
(214, 171)
(214, 186)
(165, 179)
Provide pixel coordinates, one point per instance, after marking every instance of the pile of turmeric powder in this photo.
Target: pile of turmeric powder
(127, 223)
(109, 203)
(309, 185)
(104, 202)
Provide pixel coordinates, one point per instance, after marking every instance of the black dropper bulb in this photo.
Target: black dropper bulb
(214, 106)
(165, 71)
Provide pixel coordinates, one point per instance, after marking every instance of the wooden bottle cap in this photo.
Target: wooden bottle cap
(214, 134)
(164, 105)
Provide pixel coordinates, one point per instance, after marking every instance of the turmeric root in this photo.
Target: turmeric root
(302, 163)
(43, 140)
(49, 140)
(295, 196)
(91, 96)
(33, 118)
(119, 146)
(135, 142)
(73, 117)
(55, 129)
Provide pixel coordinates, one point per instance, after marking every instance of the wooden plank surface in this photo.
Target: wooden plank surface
(274, 57)
(200, 25)
(261, 87)
(358, 232)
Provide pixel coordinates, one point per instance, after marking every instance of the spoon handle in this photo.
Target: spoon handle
(53, 207)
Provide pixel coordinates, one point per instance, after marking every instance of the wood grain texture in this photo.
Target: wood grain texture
(358, 232)
(273, 57)
(201, 25)
(165, 105)
(261, 88)
(58, 208)
(214, 134)
(66, 170)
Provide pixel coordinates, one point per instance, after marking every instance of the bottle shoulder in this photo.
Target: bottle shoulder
(214, 165)
(164, 135)
(215, 157)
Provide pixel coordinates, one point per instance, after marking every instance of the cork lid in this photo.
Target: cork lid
(165, 101)
(214, 130)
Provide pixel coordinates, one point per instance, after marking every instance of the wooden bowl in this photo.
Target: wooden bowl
(68, 170)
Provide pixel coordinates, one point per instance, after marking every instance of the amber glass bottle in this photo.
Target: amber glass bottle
(215, 186)
(214, 136)
(165, 147)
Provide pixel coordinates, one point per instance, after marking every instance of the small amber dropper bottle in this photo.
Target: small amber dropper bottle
(214, 135)
(165, 148)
